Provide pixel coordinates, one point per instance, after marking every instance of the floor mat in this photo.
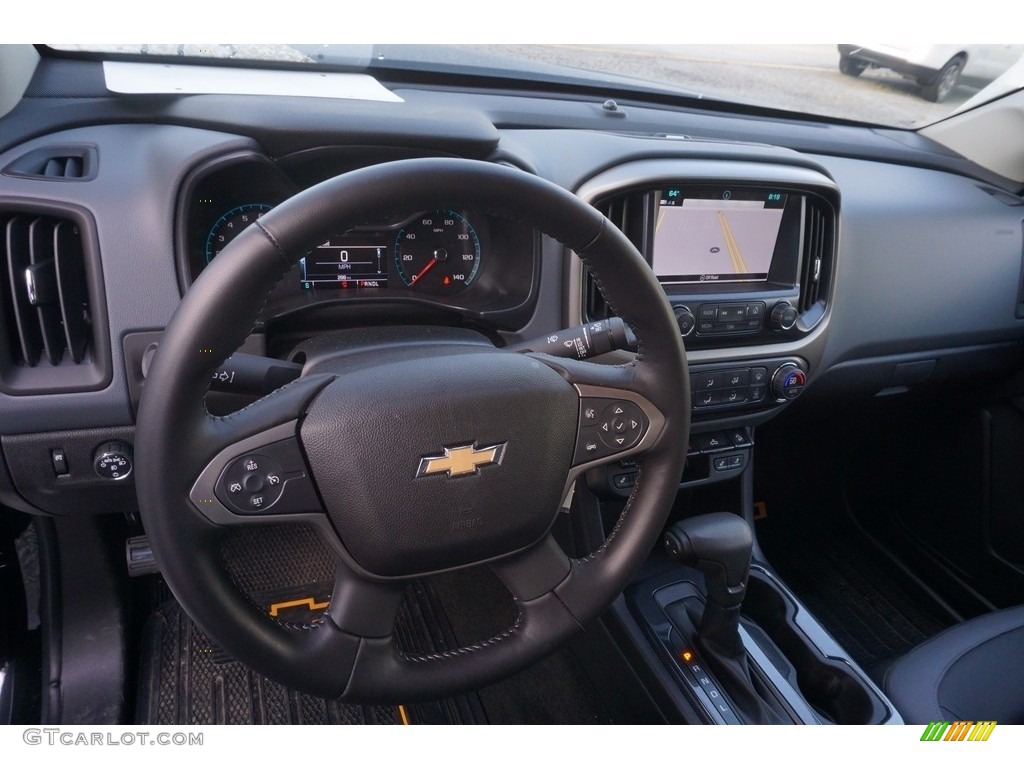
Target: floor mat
(186, 679)
(853, 592)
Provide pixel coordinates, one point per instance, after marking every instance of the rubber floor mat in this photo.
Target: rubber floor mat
(854, 593)
(185, 679)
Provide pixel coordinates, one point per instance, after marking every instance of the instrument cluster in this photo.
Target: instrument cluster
(455, 259)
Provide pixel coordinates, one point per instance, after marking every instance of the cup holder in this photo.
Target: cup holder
(834, 688)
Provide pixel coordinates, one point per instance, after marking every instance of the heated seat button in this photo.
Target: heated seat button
(737, 378)
(706, 381)
(734, 396)
(706, 399)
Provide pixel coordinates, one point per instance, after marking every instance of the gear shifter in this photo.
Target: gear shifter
(719, 545)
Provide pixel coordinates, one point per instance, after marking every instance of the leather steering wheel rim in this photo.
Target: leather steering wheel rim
(346, 656)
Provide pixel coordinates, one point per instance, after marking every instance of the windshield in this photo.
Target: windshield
(902, 85)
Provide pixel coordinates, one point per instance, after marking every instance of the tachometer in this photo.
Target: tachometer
(230, 225)
(437, 251)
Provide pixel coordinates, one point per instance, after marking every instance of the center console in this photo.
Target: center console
(746, 253)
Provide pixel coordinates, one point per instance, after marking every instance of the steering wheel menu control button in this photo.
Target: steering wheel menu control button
(607, 427)
(273, 480)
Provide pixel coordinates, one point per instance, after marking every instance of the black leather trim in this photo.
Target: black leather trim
(973, 671)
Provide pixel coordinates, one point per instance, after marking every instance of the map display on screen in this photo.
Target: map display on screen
(700, 240)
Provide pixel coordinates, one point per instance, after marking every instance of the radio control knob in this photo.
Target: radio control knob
(788, 381)
(685, 319)
(783, 316)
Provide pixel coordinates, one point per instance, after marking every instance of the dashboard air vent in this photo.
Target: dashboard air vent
(46, 288)
(627, 212)
(56, 164)
(52, 305)
(818, 247)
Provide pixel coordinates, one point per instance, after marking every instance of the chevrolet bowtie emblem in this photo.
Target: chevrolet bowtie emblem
(462, 460)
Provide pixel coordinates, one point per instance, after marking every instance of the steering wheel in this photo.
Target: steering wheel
(399, 476)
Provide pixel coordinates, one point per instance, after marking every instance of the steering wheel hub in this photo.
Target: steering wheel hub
(435, 463)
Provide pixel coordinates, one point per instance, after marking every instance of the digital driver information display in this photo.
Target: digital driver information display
(728, 238)
(347, 261)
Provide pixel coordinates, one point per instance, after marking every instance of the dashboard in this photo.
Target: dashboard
(799, 261)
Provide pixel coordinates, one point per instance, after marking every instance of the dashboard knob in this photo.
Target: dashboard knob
(685, 319)
(783, 316)
(113, 460)
(788, 381)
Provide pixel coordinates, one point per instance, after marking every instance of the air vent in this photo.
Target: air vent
(626, 212)
(818, 246)
(56, 164)
(52, 305)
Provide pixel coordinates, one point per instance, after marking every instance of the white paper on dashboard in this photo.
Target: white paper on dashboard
(150, 78)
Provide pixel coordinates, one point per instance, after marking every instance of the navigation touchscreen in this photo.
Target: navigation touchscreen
(719, 235)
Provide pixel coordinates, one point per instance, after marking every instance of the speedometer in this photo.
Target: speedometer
(230, 225)
(438, 252)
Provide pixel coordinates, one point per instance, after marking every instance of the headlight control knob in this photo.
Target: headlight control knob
(113, 460)
(788, 381)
